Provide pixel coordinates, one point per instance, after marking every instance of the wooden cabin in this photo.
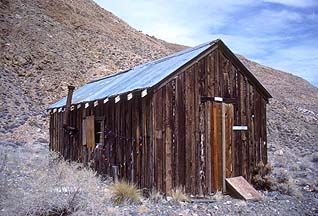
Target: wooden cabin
(190, 119)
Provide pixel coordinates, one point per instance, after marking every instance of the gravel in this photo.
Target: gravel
(277, 204)
(273, 203)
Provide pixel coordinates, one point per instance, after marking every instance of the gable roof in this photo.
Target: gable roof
(140, 77)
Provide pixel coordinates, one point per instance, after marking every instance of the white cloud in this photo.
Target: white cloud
(301, 60)
(295, 3)
(271, 22)
(169, 20)
(274, 36)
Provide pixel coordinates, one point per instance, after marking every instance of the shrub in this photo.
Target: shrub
(178, 194)
(36, 187)
(285, 184)
(124, 192)
(218, 196)
(32, 123)
(261, 179)
(155, 196)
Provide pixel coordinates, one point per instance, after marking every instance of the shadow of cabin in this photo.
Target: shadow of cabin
(190, 119)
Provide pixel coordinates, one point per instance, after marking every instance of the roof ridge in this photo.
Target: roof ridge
(179, 53)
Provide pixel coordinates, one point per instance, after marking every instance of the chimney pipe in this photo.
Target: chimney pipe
(68, 106)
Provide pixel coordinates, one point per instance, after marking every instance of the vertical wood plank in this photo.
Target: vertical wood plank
(264, 132)
(229, 139)
(190, 151)
(196, 141)
(134, 141)
(243, 122)
(208, 130)
(129, 150)
(152, 143)
(144, 144)
(158, 117)
(168, 137)
(174, 129)
(216, 145)
(181, 161)
(217, 90)
(248, 123)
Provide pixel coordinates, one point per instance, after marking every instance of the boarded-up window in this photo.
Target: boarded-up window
(89, 133)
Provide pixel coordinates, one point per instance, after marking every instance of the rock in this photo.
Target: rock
(13, 125)
(19, 60)
(12, 143)
(134, 213)
(273, 193)
(228, 202)
(42, 140)
(39, 66)
(21, 121)
(279, 152)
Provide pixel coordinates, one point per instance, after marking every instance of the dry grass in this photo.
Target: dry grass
(218, 196)
(179, 194)
(261, 179)
(49, 186)
(286, 185)
(124, 192)
(293, 190)
(155, 196)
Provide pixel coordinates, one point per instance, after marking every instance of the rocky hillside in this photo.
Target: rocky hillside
(292, 120)
(47, 44)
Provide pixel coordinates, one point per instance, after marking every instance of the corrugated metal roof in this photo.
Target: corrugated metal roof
(140, 77)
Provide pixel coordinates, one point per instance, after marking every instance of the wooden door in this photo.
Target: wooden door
(222, 120)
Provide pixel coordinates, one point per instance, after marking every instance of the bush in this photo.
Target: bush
(178, 194)
(124, 192)
(39, 187)
(155, 196)
(285, 184)
(261, 179)
(218, 196)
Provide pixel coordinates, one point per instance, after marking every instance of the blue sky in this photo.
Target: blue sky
(279, 33)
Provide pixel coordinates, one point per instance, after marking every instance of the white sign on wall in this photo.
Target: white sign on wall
(240, 128)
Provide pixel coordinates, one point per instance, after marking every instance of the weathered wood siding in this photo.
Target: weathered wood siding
(196, 145)
(170, 137)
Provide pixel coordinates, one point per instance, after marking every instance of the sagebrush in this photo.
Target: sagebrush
(178, 194)
(50, 186)
(125, 192)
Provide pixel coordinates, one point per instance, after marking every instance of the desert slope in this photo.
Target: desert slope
(46, 45)
(292, 120)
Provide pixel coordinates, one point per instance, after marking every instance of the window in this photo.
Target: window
(99, 132)
(92, 137)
